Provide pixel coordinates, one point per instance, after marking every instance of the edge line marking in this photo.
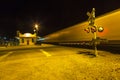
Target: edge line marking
(46, 53)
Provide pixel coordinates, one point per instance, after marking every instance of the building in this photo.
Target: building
(26, 38)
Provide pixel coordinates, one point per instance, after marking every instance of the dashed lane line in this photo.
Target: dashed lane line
(46, 53)
(4, 56)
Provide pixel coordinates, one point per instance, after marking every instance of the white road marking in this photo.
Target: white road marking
(4, 56)
(46, 53)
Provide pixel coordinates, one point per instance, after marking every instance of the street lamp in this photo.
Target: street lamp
(36, 29)
(36, 26)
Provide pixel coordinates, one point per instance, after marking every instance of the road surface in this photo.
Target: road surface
(50, 62)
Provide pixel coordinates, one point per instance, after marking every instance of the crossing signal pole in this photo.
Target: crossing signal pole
(92, 28)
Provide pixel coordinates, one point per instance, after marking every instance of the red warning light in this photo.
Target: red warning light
(87, 30)
(93, 29)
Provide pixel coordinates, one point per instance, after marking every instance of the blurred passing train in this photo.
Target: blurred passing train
(76, 34)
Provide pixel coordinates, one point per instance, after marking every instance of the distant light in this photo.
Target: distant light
(36, 26)
(34, 30)
(41, 39)
(17, 37)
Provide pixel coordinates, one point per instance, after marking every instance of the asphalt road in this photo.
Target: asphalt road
(50, 62)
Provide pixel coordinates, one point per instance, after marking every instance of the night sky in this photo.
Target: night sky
(51, 15)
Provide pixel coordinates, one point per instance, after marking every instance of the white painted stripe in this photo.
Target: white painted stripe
(46, 53)
(4, 56)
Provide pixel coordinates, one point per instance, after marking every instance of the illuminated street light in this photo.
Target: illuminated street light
(36, 26)
(36, 29)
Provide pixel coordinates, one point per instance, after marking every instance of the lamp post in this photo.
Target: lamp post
(36, 29)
